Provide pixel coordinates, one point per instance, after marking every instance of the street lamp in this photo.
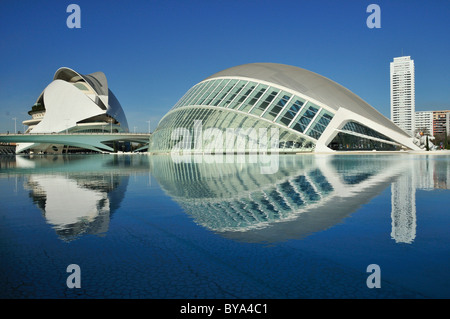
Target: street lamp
(111, 122)
(15, 130)
(148, 126)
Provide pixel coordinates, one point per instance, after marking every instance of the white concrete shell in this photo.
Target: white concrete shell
(76, 103)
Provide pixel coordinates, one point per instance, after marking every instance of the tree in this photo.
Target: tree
(423, 130)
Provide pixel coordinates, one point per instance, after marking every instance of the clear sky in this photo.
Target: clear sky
(153, 51)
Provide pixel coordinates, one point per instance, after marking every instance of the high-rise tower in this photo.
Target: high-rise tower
(402, 93)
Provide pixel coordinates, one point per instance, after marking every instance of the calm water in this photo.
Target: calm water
(145, 227)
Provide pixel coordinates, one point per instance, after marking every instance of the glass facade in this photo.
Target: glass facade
(244, 132)
(227, 103)
(310, 112)
(348, 142)
(362, 129)
(364, 139)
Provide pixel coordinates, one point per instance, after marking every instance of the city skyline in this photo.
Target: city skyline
(143, 47)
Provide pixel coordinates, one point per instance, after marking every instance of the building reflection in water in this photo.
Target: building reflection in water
(433, 173)
(306, 195)
(403, 208)
(78, 194)
(75, 204)
(309, 193)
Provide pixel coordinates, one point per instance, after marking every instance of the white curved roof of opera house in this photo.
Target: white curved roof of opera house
(75, 103)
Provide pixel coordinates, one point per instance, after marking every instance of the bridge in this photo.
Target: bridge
(92, 141)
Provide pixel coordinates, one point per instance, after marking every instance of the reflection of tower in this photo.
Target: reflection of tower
(427, 174)
(403, 210)
(440, 174)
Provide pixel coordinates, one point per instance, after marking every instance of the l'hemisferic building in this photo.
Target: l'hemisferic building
(309, 112)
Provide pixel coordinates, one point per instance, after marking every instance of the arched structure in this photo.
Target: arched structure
(74, 103)
(309, 111)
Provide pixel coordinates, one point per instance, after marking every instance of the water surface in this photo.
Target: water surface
(146, 227)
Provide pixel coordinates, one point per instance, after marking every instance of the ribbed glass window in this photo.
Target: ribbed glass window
(224, 92)
(233, 93)
(253, 98)
(349, 142)
(305, 117)
(213, 95)
(188, 95)
(316, 129)
(260, 100)
(243, 95)
(195, 94)
(277, 106)
(206, 92)
(161, 140)
(268, 97)
(291, 111)
(362, 129)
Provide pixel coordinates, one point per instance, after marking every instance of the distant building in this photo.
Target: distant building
(424, 122)
(447, 117)
(403, 93)
(440, 122)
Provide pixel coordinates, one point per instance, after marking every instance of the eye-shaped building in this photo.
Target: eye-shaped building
(74, 103)
(309, 112)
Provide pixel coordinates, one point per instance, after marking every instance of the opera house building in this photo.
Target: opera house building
(74, 103)
(309, 113)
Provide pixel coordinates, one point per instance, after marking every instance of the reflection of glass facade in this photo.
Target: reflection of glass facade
(243, 198)
(241, 104)
(309, 192)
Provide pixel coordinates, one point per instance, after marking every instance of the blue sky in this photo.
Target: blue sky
(152, 52)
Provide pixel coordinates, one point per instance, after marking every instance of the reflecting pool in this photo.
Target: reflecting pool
(142, 226)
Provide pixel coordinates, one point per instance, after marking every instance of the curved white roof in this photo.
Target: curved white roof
(96, 80)
(310, 84)
(66, 106)
(99, 84)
